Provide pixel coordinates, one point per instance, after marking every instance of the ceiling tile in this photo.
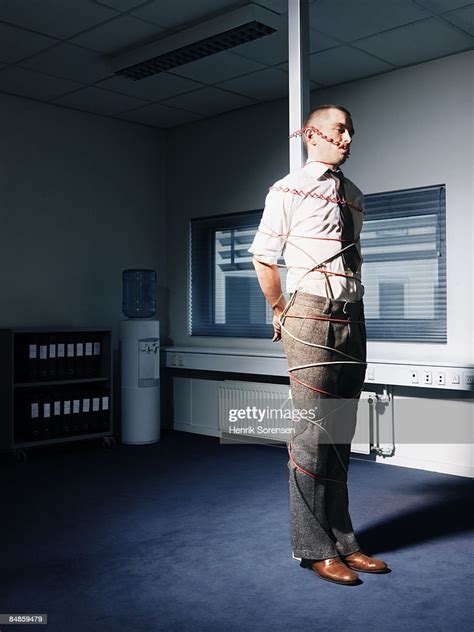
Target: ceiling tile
(342, 64)
(154, 88)
(312, 84)
(16, 43)
(71, 62)
(272, 50)
(54, 17)
(158, 115)
(209, 101)
(122, 32)
(121, 5)
(173, 15)
(349, 20)
(464, 18)
(440, 6)
(418, 42)
(279, 6)
(270, 83)
(320, 41)
(269, 50)
(218, 67)
(99, 101)
(34, 85)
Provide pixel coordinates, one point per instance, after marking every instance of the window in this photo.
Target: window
(404, 270)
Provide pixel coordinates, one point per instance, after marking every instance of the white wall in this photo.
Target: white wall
(413, 128)
(82, 197)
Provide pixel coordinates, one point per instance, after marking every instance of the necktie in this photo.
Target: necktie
(350, 256)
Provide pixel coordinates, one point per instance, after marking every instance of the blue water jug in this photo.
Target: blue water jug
(139, 291)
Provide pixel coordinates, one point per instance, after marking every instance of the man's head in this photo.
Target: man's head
(332, 143)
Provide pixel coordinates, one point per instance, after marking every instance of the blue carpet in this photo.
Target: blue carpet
(189, 534)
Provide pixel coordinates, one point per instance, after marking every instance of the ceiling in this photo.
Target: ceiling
(57, 52)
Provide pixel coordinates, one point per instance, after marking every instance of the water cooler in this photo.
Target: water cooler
(140, 359)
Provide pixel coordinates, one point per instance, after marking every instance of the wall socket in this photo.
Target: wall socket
(427, 379)
(440, 379)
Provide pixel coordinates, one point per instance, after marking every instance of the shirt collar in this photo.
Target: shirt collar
(317, 169)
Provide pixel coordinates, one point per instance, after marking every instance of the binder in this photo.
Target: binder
(88, 356)
(52, 359)
(96, 351)
(79, 339)
(96, 413)
(34, 421)
(33, 359)
(105, 410)
(76, 414)
(45, 416)
(43, 358)
(61, 357)
(57, 421)
(70, 357)
(86, 413)
(67, 416)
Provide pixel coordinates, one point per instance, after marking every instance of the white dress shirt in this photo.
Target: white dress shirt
(294, 216)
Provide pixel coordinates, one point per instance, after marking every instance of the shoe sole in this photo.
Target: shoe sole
(334, 581)
(359, 570)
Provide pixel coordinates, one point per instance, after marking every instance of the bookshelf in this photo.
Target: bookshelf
(56, 386)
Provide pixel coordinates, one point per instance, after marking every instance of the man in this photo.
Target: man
(313, 217)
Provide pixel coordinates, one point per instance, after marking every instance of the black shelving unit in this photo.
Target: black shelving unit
(56, 386)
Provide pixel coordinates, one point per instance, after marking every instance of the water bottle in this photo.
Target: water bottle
(139, 290)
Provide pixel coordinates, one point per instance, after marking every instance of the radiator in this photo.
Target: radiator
(236, 396)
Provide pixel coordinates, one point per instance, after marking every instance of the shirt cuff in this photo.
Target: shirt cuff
(268, 257)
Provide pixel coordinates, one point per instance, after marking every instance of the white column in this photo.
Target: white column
(298, 62)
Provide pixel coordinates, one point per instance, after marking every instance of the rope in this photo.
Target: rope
(318, 267)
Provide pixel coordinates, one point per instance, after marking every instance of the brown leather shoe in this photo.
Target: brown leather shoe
(332, 570)
(365, 564)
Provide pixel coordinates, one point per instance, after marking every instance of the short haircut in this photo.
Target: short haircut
(323, 108)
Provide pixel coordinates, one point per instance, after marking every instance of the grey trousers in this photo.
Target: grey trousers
(327, 397)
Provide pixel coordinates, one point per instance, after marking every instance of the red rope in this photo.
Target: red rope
(313, 388)
(319, 196)
(311, 128)
(301, 469)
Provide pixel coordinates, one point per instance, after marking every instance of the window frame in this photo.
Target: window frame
(201, 295)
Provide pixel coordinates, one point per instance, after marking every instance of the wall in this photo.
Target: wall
(82, 197)
(413, 128)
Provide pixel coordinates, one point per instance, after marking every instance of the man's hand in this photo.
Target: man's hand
(269, 279)
(276, 324)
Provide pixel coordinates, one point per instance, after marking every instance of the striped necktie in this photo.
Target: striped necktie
(350, 256)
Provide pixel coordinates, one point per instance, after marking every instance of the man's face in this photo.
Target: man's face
(337, 126)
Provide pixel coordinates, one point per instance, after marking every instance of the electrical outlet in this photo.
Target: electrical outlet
(414, 377)
(180, 360)
(440, 379)
(174, 361)
(427, 377)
